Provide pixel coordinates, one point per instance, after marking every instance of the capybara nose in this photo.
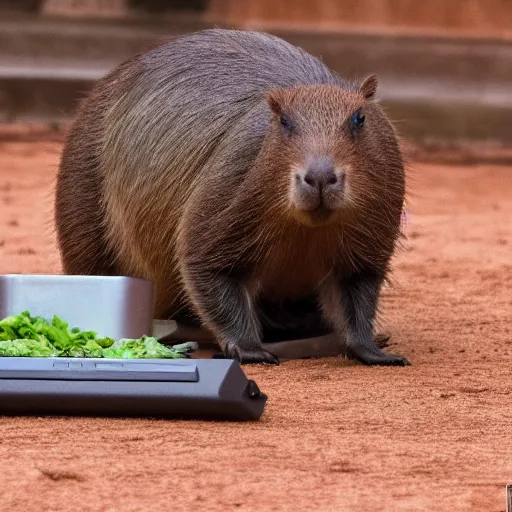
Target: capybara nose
(319, 185)
(320, 175)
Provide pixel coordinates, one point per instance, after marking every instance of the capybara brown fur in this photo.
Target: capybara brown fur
(240, 174)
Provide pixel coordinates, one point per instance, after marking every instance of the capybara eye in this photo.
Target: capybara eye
(285, 122)
(357, 120)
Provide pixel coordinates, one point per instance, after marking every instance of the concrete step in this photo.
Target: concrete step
(435, 89)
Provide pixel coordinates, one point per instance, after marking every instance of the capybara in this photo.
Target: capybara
(240, 174)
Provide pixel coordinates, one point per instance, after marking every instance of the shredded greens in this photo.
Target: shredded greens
(26, 336)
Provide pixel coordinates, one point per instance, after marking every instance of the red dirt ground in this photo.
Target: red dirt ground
(335, 435)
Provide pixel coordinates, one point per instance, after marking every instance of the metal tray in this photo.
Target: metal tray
(118, 307)
(327, 345)
(202, 388)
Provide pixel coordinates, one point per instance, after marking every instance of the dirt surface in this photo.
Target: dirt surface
(335, 435)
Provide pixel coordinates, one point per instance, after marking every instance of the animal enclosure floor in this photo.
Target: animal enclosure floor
(335, 435)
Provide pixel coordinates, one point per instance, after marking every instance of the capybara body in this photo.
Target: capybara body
(238, 173)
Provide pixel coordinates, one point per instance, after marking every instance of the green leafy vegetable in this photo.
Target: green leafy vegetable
(26, 336)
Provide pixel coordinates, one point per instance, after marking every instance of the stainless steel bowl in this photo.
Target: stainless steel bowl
(118, 307)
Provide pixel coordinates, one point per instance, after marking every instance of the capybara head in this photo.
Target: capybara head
(326, 137)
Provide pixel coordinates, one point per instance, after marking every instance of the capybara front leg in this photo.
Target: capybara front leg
(225, 306)
(350, 304)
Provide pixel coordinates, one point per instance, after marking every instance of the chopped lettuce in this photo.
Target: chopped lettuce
(146, 347)
(26, 336)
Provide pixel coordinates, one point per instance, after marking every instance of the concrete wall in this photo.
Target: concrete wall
(103, 9)
(436, 87)
(467, 15)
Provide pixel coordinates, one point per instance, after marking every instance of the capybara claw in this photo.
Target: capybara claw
(392, 360)
(257, 356)
(373, 356)
(252, 356)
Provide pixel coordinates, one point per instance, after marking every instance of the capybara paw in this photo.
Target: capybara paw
(251, 356)
(375, 357)
(390, 360)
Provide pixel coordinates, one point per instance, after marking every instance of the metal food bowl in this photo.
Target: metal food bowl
(115, 307)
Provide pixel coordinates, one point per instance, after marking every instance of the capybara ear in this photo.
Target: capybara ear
(275, 100)
(369, 86)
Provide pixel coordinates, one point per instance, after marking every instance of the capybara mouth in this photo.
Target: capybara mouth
(319, 216)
